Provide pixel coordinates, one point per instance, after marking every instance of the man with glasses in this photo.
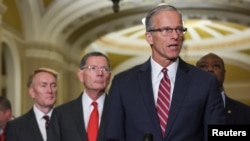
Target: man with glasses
(192, 98)
(72, 121)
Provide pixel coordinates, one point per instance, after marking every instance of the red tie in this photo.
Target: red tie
(163, 101)
(2, 136)
(92, 130)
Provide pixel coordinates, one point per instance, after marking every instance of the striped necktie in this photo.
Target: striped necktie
(163, 101)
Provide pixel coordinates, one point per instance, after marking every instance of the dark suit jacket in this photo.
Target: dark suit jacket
(237, 112)
(67, 123)
(23, 128)
(131, 110)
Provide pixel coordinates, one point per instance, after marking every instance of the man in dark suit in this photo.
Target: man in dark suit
(195, 100)
(70, 121)
(42, 87)
(237, 112)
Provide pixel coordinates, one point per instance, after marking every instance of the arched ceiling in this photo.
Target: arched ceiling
(82, 25)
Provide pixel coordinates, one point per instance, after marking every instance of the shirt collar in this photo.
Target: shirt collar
(39, 114)
(88, 101)
(156, 69)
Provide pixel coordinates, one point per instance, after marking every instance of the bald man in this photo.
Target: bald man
(237, 112)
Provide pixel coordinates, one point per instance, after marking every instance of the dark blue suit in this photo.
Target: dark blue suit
(23, 128)
(131, 111)
(237, 112)
(67, 123)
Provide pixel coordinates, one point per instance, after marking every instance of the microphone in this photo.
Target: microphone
(148, 137)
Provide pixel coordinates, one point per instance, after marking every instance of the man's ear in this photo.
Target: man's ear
(149, 39)
(80, 75)
(31, 92)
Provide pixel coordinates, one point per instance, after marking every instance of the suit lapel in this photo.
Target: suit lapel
(182, 82)
(147, 92)
(78, 117)
(102, 124)
(34, 130)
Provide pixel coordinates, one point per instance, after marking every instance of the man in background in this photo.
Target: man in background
(72, 121)
(42, 87)
(237, 112)
(5, 115)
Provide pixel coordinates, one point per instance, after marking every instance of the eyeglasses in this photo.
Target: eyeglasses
(166, 31)
(93, 68)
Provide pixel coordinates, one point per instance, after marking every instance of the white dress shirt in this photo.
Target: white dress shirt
(41, 121)
(88, 107)
(223, 94)
(157, 75)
